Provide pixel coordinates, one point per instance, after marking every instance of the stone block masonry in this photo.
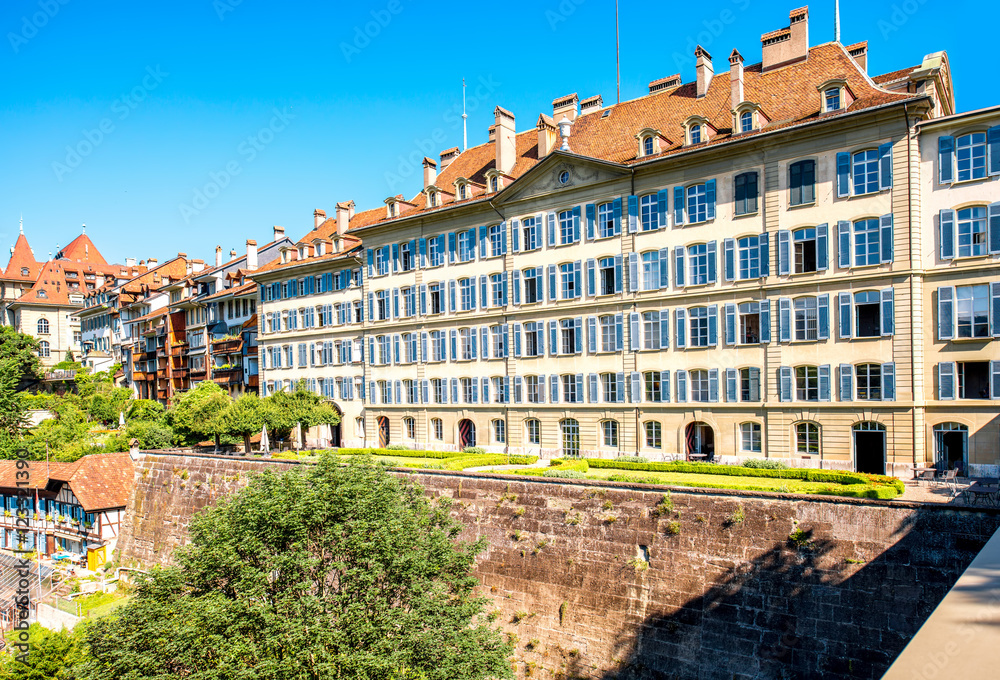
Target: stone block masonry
(606, 580)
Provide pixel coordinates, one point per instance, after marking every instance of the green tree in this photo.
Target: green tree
(244, 418)
(327, 571)
(145, 410)
(51, 656)
(197, 414)
(61, 437)
(22, 350)
(108, 403)
(13, 405)
(286, 409)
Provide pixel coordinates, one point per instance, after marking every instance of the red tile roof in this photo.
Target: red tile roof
(52, 287)
(100, 482)
(20, 258)
(81, 249)
(893, 76)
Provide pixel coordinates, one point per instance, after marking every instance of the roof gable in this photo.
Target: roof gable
(546, 176)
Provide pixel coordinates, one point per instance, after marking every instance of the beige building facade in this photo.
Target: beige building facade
(672, 281)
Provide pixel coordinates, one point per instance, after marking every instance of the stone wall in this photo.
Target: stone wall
(737, 585)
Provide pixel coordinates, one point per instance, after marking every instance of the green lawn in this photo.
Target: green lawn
(709, 481)
(97, 605)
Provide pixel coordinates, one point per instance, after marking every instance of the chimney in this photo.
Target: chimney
(565, 106)
(344, 216)
(667, 83)
(279, 233)
(129, 261)
(448, 156)
(430, 172)
(736, 78)
(197, 265)
(786, 45)
(251, 254)
(591, 104)
(151, 263)
(859, 53)
(232, 254)
(506, 140)
(703, 67)
(547, 136)
(492, 134)
(218, 256)
(319, 217)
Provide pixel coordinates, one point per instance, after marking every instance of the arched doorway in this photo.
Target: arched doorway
(869, 448)
(951, 446)
(466, 433)
(700, 441)
(383, 432)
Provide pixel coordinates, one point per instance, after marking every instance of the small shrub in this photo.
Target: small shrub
(564, 474)
(665, 506)
(638, 564)
(532, 644)
(611, 519)
(738, 517)
(799, 538)
(562, 611)
(851, 560)
(474, 451)
(397, 447)
(765, 464)
(516, 535)
(519, 616)
(519, 511)
(607, 505)
(631, 459)
(573, 519)
(674, 528)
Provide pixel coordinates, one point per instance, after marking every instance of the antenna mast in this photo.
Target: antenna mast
(836, 20)
(618, 56)
(465, 121)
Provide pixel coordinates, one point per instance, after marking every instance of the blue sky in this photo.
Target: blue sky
(177, 126)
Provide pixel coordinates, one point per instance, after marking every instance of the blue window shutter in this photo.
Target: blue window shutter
(592, 392)
(451, 247)
(846, 382)
(843, 244)
(576, 224)
(993, 150)
(425, 391)
(577, 279)
(616, 208)
(635, 332)
(846, 315)
(422, 252)
(591, 221)
(679, 266)
(825, 388)
(823, 314)
(785, 383)
(518, 389)
(592, 334)
(579, 388)
(395, 257)
(713, 385)
(578, 323)
(710, 198)
(553, 338)
(516, 331)
(539, 327)
(664, 261)
(661, 208)
(784, 252)
(395, 303)
(373, 392)
(553, 290)
(681, 327)
(995, 297)
(423, 346)
(618, 274)
(454, 391)
(713, 259)
(993, 230)
(765, 321)
(482, 242)
(732, 383)
(452, 307)
(473, 345)
(620, 387)
(785, 320)
(946, 313)
(503, 290)
(729, 256)
(885, 229)
(635, 387)
(633, 214)
(371, 263)
(765, 255)
(633, 272)
(946, 380)
(730, 323)
(713, 325)
(395, 349)
(423, 299)
(665, 386)
(454, 344)
(591, 277)
(678, 206)
(822, 247)
(553, 389)
(484, 390)
(885, 166)
(994, 379)
(484, 292)
(682, 392)
(889, 382)
(946, 232)
(551, 218)
(619, 332)
(506, 341)
(664, 329)
(946, 159)
(516, 285)
(371, 307)
(515, 235)
(888, 313)
(843, 174)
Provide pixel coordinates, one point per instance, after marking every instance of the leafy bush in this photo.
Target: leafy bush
(804, 474)
(765, 464)
(474, 450)
(151, 435)
(397, 447)
(488, 460)
(145, 409)
(631, 459)
(574, 465)
(408, 453)
(564, 474)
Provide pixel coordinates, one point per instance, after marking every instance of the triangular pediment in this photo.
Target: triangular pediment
(560, 171)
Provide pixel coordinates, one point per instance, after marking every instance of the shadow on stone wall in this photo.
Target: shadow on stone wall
(799, 611)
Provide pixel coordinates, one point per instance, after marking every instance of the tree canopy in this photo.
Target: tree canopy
(327, 571)
(22, 350)
(198, 412)
(244, 417)
(301, 406)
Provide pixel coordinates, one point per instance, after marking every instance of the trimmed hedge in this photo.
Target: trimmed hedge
(488, 460)
(405, 453)
(555, 466)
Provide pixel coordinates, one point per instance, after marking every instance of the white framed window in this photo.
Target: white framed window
(43, 326)
(437, 425)
(806, 318)
(697, 203)
(652, 386)
(867, 242)
(750, 437)
(807, 438)
(649, 212)
(698, 385)
(44, 350)
(869, 380)
(697, 262)
(831, 99)
(533, 431)
(651, 270)
(748, 252)
(570, 430)
(566, 227)
(972, 231)
(496, 236)
(529, 232)
(609, 434)
(651, 330)
(746, 121)
(467, 294)
(695, 134)
(970, 154)
(807, 383)
(605, 220)
(499, 431)
(409, 428)
(653, 434)
(972, 311)
(865, 169)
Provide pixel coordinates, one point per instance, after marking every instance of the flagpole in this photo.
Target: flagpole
(618, 59)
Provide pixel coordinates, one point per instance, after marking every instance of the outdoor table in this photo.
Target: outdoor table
(918, 472)
(698, 456)
(982, 492)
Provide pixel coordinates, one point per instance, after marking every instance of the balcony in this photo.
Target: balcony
(181, 372)
(254, 381)
(229, 377)
(198, 374)
(227, 346)
(138, 376)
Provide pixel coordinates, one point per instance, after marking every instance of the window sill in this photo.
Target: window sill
(811, 204)
(742, 216)
(696, 224)
(971, 340)
(870, 194)
(963, 182)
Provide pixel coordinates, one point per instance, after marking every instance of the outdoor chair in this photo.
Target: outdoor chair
(950, 479)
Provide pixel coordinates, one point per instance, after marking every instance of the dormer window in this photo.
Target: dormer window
(651, 142)
(494, 183)
(25, 271)
(392, 209)
(832, 99)
(697, 130)
(746, 121)
(463, 191)
(432, 199)
(748, 117)
(647, 146)
(695, 133)
(835, 95)
(42, 294)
